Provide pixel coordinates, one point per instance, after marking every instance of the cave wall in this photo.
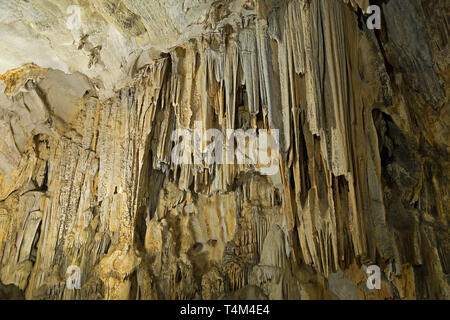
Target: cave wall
(363, 164)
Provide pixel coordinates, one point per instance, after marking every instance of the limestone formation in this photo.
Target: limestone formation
(92, 91)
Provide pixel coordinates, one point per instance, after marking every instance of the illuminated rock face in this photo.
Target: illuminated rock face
(88, 182)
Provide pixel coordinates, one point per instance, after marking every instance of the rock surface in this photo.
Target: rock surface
(93, 90)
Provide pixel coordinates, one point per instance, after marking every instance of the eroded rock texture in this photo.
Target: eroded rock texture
(87, 178)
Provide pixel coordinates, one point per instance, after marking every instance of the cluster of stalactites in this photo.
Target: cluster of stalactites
(288, 71)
